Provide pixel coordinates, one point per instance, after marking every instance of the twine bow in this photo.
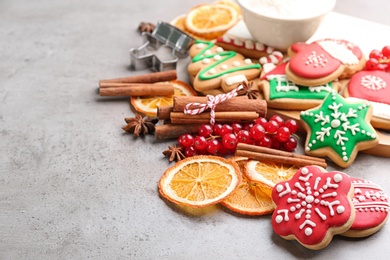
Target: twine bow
(196, 108)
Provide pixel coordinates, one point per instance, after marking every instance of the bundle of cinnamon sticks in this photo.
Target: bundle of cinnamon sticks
(152, 84)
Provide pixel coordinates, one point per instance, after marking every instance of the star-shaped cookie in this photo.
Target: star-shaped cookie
(338, 129)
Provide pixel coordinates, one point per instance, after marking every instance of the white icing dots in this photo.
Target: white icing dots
(219, 49)
(248, 61)
(279, 188)
(200, 45)
(308, 231)
(316, 60)
(206, 61)
(340, 209)
(335, 123)
(224, 67)
(279, 219)
(337, 177)
(236, 63)
(217, 57)
(304, 170)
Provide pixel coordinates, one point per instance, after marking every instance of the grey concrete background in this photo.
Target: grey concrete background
(74, 186)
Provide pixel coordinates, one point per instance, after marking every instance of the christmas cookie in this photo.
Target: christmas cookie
(250, 49)
(281, 93)
(372, 86)
(323, 61)
(338, 129)
(214, 70)
(313, 206)
(371, 206)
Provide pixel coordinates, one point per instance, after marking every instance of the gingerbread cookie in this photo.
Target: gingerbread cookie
(372, 208)
(250, 49)
(372, 86)
(313, 206)
(214, 70)
(323, 61)
(281, 93)
(338, 129)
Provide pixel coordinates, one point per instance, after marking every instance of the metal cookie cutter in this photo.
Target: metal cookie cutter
(161, 49)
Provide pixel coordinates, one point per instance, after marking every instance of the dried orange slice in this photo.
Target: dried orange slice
(199, 181)
(249, 197)
(269, 173)
(210, 21)
(148, 105)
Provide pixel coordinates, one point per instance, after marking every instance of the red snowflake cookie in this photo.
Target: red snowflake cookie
(313, 206)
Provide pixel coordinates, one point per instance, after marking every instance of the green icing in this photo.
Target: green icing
(280, 87)
(339, 125)
(225, 55)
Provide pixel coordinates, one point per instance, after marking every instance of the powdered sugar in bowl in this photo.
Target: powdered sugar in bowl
(280, 23)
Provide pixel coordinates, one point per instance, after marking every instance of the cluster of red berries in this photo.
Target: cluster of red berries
(222, 139)
(379, 60)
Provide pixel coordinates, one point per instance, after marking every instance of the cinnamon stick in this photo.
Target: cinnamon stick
(170, 131)
(220, 117)
(232, 104)
(136, 89)
(144, 78)
(272, 155)
(163, 112)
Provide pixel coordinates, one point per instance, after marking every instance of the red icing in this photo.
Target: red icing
(371, 204)
(278, 70)
(378, 91)
(321, 198)
(305, 53)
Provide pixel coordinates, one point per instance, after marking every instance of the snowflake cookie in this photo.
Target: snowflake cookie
(313, 206)
(338, 129)
(372, 208)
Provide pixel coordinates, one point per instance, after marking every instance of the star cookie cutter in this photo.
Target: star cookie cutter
(161, 49)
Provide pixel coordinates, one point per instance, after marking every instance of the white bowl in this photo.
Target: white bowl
(280, 27)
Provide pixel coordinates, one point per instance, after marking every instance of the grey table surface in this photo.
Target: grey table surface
(73, 185)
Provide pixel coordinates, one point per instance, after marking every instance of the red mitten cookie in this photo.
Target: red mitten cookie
(371, 206)
(372, 86)
(313, 206)
(323, 61)
(338, 129)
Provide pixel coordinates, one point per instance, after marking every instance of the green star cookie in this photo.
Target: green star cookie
(338, 129)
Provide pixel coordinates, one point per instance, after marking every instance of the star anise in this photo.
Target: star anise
(175, 153)
(140, 125)
(249, 90)
(146, 27)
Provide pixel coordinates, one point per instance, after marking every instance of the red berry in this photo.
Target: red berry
(265, 142)
(244, 137)
(271, 127)
(190, 151)
(205, 130)
(386, 51)
(213, 146)
(236, 127)
(383, 66)
(277, 119)
(372, 64)
(261, 121)
(247, 126)
(283, 134)
(226, 129)
(257, 132)
(292, 125)
(200, 143)
(217, 129)
(276, 144)
(290, 145)
(229, 141)
(375, 54)
(186, 140)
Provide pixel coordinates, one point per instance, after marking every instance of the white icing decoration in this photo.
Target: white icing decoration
(206, 61)
(217, 57)
(248, 61)
(236, 63)
(339, 51)
(316, 60)
(219, 49)
(308, 231)
(373, 82)
(224, 67)
(200, 45)
(340, 209)
(231, 80)
(249, 44)
(338, 177)
(259, 46)
(326, 88)
(212, 71)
